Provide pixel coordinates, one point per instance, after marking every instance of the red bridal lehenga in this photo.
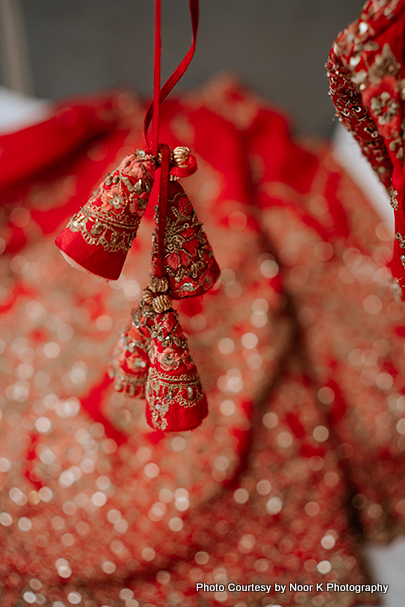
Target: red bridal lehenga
(299, 347)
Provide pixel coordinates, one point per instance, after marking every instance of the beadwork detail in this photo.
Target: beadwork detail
(356, 119)
(189, 260)
(162, 389)
(129, 363)
(173, 384)
(367, 86)
(393, 198)
(152, 359)
(401, 239)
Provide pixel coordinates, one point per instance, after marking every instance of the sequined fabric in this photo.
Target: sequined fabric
(299, 348)
(191, 268)
(366, 71)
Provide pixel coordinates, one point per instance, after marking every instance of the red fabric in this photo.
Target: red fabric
(73, 124)
(366, 72)
(175, 399)
(299, 349)
(130, 361)
(188, 260)
(99, 236)
(163, 203)
(187, 169)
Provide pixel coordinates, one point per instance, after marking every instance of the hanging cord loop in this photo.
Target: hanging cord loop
(162, 152)
(160, 94)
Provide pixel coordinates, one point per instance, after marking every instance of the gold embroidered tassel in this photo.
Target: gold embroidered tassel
(189, 261)
(130, 362)
(98, 237)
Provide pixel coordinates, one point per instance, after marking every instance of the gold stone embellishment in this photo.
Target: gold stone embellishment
(393, 198)
(401, 240)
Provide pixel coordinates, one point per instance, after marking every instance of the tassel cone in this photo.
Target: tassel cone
(130, 362)
(190, 265)
(175, 398)
(99, 236)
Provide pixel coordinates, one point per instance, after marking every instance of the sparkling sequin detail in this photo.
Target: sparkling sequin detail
(367, 86)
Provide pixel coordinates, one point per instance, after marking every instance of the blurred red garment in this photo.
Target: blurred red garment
(299, 348)
(366, 73)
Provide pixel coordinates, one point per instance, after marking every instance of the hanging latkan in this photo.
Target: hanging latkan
(99, 236)
(152, 358)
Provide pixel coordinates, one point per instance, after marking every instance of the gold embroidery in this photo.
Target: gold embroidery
(393, 198)
(162, 389)
(384, 64)
(112, 215)
(132, 385)
(180, 231)
(385, 107)
(137, 363)
(99, 227)
(401, 239)
(349, 106)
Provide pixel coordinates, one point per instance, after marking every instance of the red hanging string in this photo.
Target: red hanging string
(159, 95)
(163, 187)
(156, 78)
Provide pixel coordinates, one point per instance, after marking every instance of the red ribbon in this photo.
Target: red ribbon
(156, 81)
(159, 95)
(160, 228)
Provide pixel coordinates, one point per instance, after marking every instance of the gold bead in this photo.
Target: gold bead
(181, 155)
(158, 285)
(161, 303)
(140, 155)
(147, 296)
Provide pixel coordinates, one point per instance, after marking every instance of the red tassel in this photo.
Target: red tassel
(152, 359)
(99, 236)
(189, 261)
(130, 362)
(175, 398)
